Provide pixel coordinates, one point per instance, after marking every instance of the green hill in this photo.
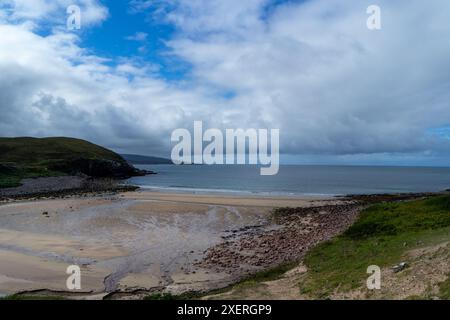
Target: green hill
(42, 157)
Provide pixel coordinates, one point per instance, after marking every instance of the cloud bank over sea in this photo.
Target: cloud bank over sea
(334, 88)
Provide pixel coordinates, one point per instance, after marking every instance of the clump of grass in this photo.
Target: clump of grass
(9, 181)
(12, 174)
(160, 296)
(270, 274)
(380, 237)
(9, 176)
(444, 289)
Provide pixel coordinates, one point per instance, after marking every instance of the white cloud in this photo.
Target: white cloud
(52, 11)
(138, 36)
(311, 69)
(315, 71)
(232, 16)
(50, 86)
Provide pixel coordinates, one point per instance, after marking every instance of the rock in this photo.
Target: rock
(98, 168)
(400, 267)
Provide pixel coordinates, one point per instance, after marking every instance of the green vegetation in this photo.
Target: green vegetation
(37, 151)
(32, 157)
(381, 236)
(10, 175)
(444, 289)
(191, 295)
(162, 296)
(269, 275)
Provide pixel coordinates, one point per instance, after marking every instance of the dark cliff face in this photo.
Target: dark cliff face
(98, 168)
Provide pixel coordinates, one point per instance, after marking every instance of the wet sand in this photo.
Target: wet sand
(146, 241)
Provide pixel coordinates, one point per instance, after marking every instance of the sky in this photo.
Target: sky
(138, 69)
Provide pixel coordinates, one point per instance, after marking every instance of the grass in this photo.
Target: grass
(269, 275)
(11, 176)
(161, 296)
(444, 289)
(382, 234)
(37, 151)
(9, 181)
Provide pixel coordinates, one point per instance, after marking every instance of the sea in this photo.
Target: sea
(295, 180)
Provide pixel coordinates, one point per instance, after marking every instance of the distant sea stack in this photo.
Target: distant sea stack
(45, 157)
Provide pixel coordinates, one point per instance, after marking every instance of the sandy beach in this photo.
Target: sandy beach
(143, 242)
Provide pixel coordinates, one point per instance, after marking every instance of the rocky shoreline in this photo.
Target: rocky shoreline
(295, 231)
(63, 186)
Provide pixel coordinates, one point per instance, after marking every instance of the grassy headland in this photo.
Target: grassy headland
(33, 157)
